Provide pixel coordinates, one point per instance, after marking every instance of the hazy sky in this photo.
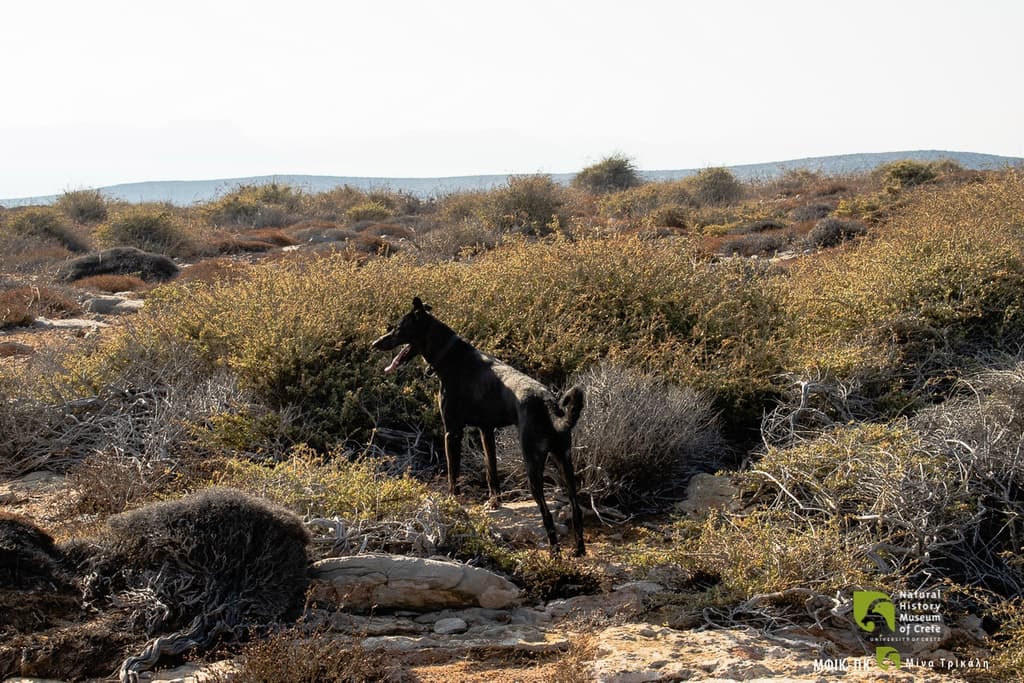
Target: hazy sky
(102, 92)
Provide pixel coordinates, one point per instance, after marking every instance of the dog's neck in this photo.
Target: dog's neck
(440, 341)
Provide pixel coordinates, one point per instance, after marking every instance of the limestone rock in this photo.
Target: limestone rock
(510, 638)
(443, 627)
(380, 581)
(707, 492)
(112, 304)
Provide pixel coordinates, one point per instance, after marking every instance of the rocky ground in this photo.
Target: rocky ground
(440, 621)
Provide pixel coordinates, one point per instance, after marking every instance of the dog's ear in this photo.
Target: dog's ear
(418, 305)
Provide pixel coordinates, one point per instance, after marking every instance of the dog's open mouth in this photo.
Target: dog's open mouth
(403, 354)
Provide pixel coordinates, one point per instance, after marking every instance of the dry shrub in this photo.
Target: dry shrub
(611, 174)
(670, 216)
(464, 238)
(296, 656)
(715, 186)
(278, 238)
(119, 261)
(192, 571)
(14, 310)
(20, 306)
(332, 205)
(234, 244)
(27, 256)
(141, 416)
(811, 212)
(639, 201)
(368, 211)
(459, 207)
(639, 437)
(937, 498)
(112, 283)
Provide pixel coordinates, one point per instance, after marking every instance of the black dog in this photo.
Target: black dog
(480, 391)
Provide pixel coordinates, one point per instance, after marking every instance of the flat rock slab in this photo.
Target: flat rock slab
(69, 324)
(388, 582)
(112, 305)
(510, 638)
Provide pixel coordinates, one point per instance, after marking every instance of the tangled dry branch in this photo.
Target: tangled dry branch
(937, 497)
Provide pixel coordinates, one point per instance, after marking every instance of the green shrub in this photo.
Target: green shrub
(46, 224)
(637, 202)
(151, 228)
(256, 206)
(368, 211)
(811, 212)
(670, 216)
(549, 577)
(715, 186)
(83, 206)
(754, 244)
(611, 174)
(382, 512)
(526, 204)
(300, 337)
(794, 182)
(942, 284)
(830, 232)
(906, 173)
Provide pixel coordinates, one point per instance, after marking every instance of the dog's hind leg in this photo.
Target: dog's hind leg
(563, 460)
(491, 467)
(535, 473)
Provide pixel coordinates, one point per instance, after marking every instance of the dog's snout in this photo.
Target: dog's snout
(384, 343)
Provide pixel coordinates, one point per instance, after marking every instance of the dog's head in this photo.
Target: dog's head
(410, 333)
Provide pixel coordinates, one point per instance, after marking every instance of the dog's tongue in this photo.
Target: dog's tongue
(398, 359)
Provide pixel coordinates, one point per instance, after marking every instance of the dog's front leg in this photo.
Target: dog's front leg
(453, 455)
(491, 467)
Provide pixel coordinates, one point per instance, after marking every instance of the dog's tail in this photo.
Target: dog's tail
(570, 406)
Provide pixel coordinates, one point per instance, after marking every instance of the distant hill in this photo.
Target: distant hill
(185, 192)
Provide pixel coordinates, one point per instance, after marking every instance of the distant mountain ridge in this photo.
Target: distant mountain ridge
(185, 192)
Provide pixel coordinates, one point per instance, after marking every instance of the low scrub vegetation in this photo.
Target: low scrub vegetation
(149, 228)
(860, 399)
(45, 224)
(83, 206)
